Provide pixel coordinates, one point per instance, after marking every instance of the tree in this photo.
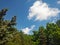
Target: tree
(39, 37)
(58, 23)
(42, 36)
(35, 38)
(6, 28)
(52, 34)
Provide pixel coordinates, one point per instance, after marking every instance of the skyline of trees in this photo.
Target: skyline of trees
(9, 35)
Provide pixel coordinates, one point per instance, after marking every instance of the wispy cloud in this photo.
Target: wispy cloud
(41, 11)
(58, 2)
(27, 29)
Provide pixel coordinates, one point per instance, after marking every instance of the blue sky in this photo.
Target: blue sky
(23, 9)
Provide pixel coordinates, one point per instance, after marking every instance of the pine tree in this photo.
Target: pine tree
(5, 26)
(42, 36)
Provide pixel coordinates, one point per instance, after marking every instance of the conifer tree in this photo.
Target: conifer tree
(5, 26)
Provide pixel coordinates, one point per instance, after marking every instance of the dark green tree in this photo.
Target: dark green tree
(52, 34)
(58, 23)
(42, 36)
(6, 28)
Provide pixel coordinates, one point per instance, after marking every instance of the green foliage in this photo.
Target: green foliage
(47, 36)
(58, 23)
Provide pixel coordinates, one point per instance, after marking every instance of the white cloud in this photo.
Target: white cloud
(41, 11)
(58, 2)
(27, 29)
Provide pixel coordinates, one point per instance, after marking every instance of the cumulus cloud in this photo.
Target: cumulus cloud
(27, 29)
(58, 2)
(41, 11)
